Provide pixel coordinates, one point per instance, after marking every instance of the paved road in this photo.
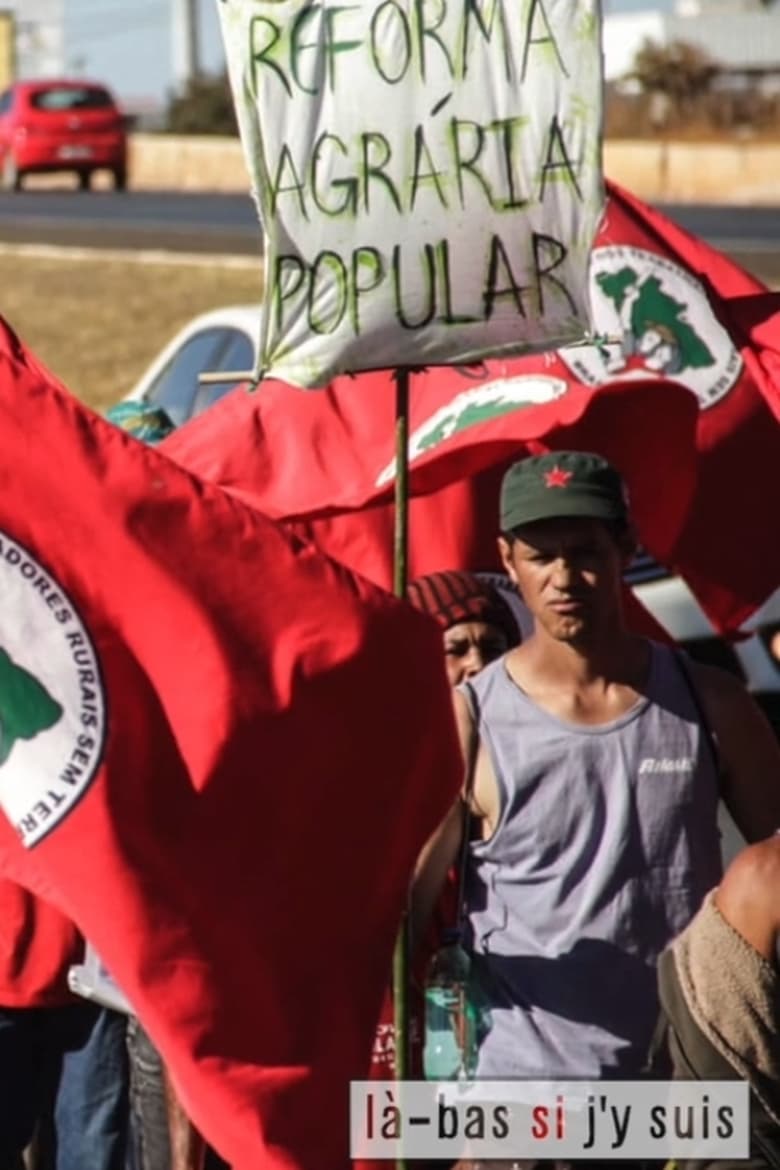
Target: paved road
(192, 222)
(750, 234)
(227, 223)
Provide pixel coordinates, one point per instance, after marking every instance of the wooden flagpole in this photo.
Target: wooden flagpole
(401, 957)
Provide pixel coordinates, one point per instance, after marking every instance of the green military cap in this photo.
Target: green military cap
(561, 483)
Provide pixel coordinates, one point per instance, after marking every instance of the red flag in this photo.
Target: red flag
(37, 946)
(312, 460)
(670, 308)
(302, 456)
(220, 754)
(454, 527)
(683, 310)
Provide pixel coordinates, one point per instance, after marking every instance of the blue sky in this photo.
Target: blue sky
(129, 45)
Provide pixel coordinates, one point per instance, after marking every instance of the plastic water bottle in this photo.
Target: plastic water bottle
(450, 1019)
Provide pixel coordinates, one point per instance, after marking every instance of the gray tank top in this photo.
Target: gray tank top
(605, 846)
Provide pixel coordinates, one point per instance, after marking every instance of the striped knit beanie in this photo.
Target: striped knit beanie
(456, 596)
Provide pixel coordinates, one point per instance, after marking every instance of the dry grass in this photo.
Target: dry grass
(96, 322)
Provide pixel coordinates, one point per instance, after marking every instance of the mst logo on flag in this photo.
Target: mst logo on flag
(52, 708)
(472, 407)
(664, 324)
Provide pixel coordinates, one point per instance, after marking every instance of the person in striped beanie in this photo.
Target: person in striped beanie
(477, 625)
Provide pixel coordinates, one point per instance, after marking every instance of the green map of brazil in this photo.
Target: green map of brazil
(26, 707)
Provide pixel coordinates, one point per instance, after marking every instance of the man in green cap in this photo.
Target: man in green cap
(593, 791)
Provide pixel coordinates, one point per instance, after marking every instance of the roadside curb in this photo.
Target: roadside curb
(68, 252)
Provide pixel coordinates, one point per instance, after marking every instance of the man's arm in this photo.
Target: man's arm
(748, 749)
(442, 849)
(439, 853)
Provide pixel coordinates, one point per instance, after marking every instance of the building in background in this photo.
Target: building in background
(147, 53)
(741, 36)
(7, 47)
(40, 37)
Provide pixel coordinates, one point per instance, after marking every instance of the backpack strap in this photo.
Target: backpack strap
(682, 663)
(468, 791)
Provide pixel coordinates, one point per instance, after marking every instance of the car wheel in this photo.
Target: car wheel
(120, 178)
(85, 179)
(10, 175)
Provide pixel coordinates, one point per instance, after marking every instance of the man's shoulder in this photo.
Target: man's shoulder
(713, 684)
(725, 704)
(487, 675)
(473, 693)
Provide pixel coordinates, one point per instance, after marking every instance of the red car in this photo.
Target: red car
(57, 125)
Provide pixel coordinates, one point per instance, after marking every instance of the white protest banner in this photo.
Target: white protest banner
(427, 173)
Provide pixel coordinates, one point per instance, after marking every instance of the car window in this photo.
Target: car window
(238, 354)
(71, 98)
(6, 101)
(176, 387)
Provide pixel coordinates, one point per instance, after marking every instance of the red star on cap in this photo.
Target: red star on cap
(557, 477)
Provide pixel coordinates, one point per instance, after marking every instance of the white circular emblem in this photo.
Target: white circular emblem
(658, 322)
(52, 703)
(479, 405)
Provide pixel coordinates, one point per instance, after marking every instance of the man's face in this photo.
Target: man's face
(468, 646)
(568, 572)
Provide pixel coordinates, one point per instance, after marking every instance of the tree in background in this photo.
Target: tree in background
(675, 77)
(205, 107)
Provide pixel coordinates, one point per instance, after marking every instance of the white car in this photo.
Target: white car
(226, 339)
(221, 340)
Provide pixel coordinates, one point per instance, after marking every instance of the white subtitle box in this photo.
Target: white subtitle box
(549, 1119)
